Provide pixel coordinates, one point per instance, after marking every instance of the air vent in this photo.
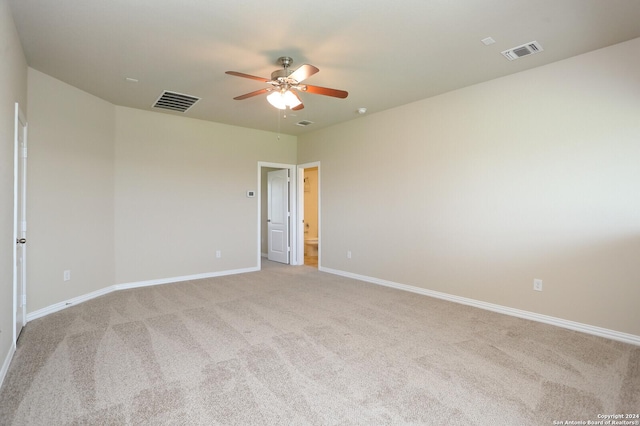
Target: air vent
(175, 101)
(304, 123)
(523, 50)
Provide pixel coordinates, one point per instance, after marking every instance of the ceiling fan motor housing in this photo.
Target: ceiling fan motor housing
(280, 74)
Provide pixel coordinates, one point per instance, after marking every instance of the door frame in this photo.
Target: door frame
(300, 208)
(19, 226)
(294, 259)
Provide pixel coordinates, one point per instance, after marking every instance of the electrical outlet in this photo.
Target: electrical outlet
(537, 285)
(66, 275)
(218, 254)
(348, 254)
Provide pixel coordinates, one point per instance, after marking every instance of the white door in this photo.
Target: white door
(20, 221)
(278, 216)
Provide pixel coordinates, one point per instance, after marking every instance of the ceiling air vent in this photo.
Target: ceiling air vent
(304, 123)
(175, 101)
(523, 50)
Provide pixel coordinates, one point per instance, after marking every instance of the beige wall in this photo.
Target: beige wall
(181, 194)
(13, 88)
(118, 195)
(70, 197)
(479, 191)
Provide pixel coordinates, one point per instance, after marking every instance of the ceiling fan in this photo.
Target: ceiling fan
(283, 81)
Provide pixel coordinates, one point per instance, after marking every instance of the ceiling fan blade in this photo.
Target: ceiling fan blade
(252, 94)
(240, 74)
(303, 72)
(299, 107)
(317, 90)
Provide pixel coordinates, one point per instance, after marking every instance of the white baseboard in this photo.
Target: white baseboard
(7, 362)
(184, 278)
(67, 303)
(83, 298)
(559, 322)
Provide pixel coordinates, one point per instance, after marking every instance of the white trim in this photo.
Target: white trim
(83, 298)
(558, 322)
(137, 284)
(7, 362)
(67, 303)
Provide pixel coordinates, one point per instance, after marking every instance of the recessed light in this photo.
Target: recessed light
(487, 41)
(362, 110)
(131, 80)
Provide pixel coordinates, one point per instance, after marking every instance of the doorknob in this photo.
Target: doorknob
(21, 240)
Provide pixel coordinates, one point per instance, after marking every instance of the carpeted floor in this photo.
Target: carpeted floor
(292, 345)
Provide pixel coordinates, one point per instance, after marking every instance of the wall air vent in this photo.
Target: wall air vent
(175, 101)
(304, 123)
(523, 50)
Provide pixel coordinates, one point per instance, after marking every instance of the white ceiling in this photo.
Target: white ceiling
(383, 53)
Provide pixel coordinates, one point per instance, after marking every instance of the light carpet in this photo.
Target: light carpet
(292, 345)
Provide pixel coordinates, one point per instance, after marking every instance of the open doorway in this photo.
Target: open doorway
(309, 212)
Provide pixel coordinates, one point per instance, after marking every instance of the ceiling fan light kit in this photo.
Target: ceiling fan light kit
(284, 84)
(282, 100)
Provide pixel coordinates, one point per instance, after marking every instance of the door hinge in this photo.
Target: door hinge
(24, 299)
(24, 152)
